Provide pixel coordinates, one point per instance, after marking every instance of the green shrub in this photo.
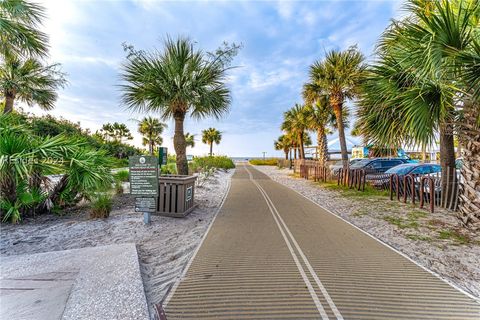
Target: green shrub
(101, 206)
(264, 162)
(122, 175)
(218, 162)
(169, 168)
(28, 159)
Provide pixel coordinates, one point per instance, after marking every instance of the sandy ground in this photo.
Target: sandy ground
(435, 241)
(164, 247)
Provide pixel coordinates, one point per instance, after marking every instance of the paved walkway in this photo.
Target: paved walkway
(80, 284)
(272, 254)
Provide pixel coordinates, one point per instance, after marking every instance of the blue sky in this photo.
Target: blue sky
(281, 39)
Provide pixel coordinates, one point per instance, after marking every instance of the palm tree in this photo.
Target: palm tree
(190, 140)
(320, 117)
(29, 81)
(115, 132)
(26, 161)
(211, 135)
(177, 82)
(425, 83)
(296, 123)
(151, 130)
(283, 143)
(339, 76)
(19, 20)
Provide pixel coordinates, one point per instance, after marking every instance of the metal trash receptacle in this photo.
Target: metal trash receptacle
(176, 194)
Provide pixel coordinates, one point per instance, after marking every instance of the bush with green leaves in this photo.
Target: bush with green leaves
(101, 206)
(27, 162)
(218, 162)
(264, 162)
(122, 176)
(49, 126)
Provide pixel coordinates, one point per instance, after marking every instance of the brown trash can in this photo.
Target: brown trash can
(176, 195)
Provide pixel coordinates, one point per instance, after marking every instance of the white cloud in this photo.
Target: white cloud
(285, 9)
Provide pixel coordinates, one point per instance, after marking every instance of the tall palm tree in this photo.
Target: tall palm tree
(283, 143)
(151, 130)
(177, 82)
(296, 123)
(320, 117)
(211, 135)
(29, 81)
(19, 34)
(190, 140)
(425, 83)
(339, 76)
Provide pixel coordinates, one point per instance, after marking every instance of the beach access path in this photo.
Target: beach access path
(273, 254)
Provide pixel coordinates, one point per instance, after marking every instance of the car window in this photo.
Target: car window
(401, 169)
(422, 170)
(376, 164)
(435, 169)
(360, 164)
(390, 163)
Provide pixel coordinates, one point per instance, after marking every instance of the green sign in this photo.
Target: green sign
(143, 175)
(162, 156)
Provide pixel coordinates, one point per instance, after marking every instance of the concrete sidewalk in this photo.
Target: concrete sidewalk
(89, 283)
(273, 254)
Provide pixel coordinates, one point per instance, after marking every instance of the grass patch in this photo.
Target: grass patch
(262, 162)
(369, 191)
(449, 234)
(416, 214)
(401, 223)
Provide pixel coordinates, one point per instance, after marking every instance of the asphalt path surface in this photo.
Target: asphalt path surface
(273, 254)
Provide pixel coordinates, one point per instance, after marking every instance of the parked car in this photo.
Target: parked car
(403, 170)
(378, 165)
(339, 164)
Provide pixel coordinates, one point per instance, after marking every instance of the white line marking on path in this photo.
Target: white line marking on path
(297, 246)
(433, 273)
(307, 263)
(309, 285)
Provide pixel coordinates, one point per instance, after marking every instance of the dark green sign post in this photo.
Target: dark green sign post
(144, 184)
(162, 156)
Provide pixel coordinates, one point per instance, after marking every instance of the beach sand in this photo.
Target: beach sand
(164, 247)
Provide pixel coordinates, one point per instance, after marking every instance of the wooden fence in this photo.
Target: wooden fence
(435, 190)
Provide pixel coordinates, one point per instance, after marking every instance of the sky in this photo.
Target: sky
(280, 40)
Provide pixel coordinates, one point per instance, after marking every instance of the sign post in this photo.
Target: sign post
(144, 184)
(162, 156)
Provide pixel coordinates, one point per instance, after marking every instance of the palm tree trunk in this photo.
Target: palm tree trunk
(469, 204)
(424, 153)
(322, 146)
(295, 153)
(9, 98)
(180, 145)
(211, 148)
(302, 147)
(54, 195)
(286, 154)
(337, 109)
(447, 161)
(150, 147)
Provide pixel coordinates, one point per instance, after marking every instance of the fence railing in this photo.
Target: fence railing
(439, 190)
(433, 190)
